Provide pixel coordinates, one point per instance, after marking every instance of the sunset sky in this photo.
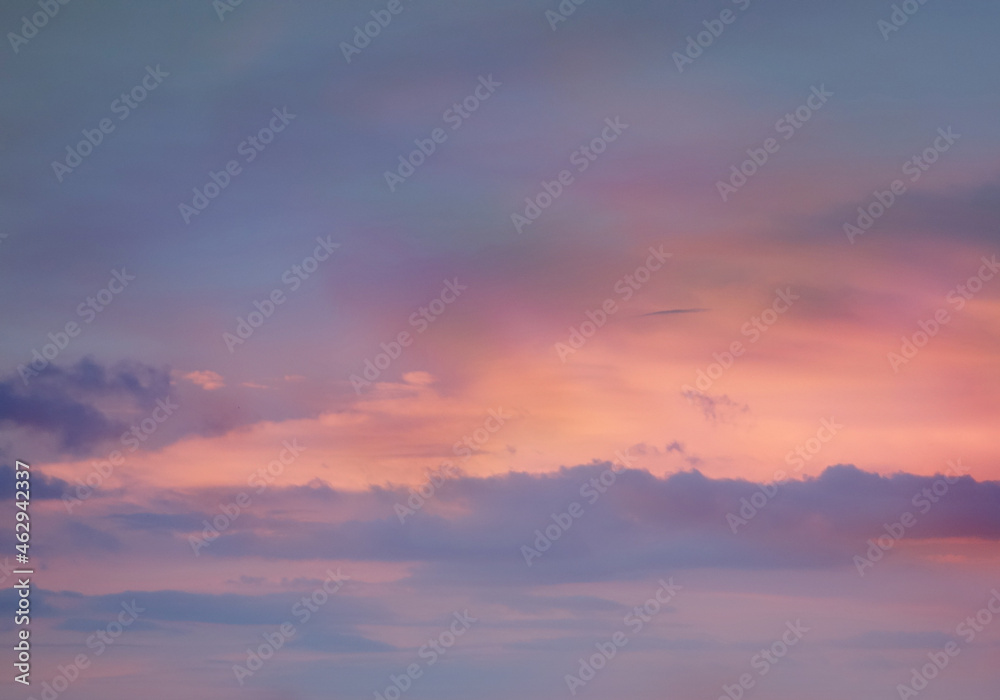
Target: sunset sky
(256, 261)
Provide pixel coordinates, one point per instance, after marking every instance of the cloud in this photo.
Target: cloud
(93, 624)
(206, 379)
(42, 487)
(65, 402)
(419, 378)
(881, 639)
(324, 640)
(537, 604)
(475, 527)
(668, 312)
(714, 407)
(970, 212)
(158, 521)
(214, 608)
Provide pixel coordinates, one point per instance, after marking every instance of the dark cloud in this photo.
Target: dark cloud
(66, 402)
(970, 212)
(180, 606)
(668, 312)
(42, 487)
(537, 604)
(881, 639)
(93, 624)
(159, 521)
(714, 408)
(474, 528)
(73, 536)
(315, 638)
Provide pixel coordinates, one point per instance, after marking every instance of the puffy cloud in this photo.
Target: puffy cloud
(206, 379)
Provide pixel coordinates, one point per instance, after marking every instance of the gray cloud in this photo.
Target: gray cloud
(474, 528)
(64, 401)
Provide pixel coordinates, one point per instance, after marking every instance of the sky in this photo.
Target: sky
(637, 349)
